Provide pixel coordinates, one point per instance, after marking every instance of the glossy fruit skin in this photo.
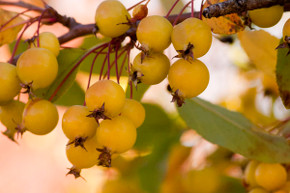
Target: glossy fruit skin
(76, 124)
(154, 67)
(118, 134)
(266, 17)
(40, 116)
(250, 173)
(83, 158)
(153, 32)
(106, 92)
(134, 111)
(258, 190)
(48, 41)
(9, 81)
(189, 77)
(37, 65)
(195, 32)
(110, 18)
(286, 29)
(11, 114)
(270, 176)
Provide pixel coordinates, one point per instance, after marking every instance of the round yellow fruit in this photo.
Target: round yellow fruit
(112, 18)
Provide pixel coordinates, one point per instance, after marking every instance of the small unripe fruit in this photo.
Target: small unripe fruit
(112, 18)
(48, 41)
(9, 83)
(37, 66)
(40, 117)
(153, 32)
(270, 176)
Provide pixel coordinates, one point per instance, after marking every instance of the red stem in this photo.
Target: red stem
(176, 20)
(192, 8)
(129, 71)
(200, 12)
(102, 68)
(135, 5)
(92, 67)
(74, 67)
(170, 10)
(112, 64)
(108, 58)
(122, 65)
(38, 26)
(11, 19)
(17, 43)
(116, 66)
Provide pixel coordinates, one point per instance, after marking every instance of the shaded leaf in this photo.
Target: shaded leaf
(137, 93)
(22, 46)
(233, 131)
(228, 24)
(159, 134)
(9, 32)
(260, 48)
(156, 125)
(74, 96)
(283, 75)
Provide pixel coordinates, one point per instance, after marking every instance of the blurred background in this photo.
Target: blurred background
(39, 164)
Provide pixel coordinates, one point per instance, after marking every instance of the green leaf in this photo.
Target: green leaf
(233, 131)
(22, 46)
(154, 168)
(138, 92)
(230, 184)
(157, 133)
(74, 96)
(66, 60)
(283, 75)
(156, 125)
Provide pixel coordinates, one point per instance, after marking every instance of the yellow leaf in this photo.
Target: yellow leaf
(9, 31)
(228, 24)
(260, 48)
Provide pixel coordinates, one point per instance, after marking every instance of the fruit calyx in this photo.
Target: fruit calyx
(187, 53)
(78, 141)
(105, 158)
(99, 114)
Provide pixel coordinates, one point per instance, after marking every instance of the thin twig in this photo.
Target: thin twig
(238, 6)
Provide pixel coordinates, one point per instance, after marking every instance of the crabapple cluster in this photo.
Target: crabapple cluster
(105, 127)
(266, 178)
(36, 68)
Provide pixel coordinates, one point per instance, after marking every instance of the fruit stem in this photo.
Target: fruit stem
(129, 72)
(192, 8)
(17, 42)
(75, 67)
(102, 68)
(112, 64)
(200, 11)
(170, 10)
(116, 65)
(122, 65)
(180, 13)
(92, 66)
(135, 5)
(38, 26)
(108, 58)
(11, 19)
